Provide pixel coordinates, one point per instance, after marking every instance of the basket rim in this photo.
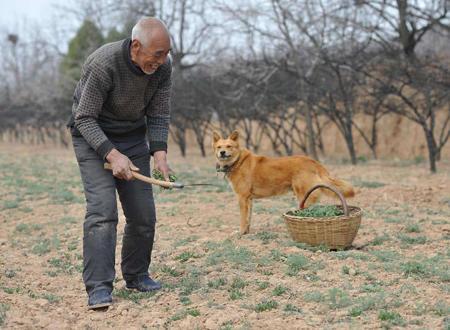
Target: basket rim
(354, 212)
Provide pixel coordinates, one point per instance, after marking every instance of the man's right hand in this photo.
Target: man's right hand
(121, 165)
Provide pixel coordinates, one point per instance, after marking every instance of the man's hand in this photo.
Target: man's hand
(160, 163)
(121, 165)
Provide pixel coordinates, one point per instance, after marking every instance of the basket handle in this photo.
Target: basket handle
(333, 189)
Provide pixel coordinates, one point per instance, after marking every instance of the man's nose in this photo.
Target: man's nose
(162, 60)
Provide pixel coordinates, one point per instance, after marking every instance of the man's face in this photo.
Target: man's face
(151, 57)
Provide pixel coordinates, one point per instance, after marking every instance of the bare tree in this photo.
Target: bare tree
(416, 79)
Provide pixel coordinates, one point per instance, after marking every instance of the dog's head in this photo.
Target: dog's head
(226, 150)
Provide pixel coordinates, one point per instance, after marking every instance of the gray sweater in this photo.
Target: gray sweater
(115, 101)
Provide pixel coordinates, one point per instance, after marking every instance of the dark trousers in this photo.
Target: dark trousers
(99, 239)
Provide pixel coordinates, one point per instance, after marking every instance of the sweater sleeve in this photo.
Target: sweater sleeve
(94, 86)
(158, 111)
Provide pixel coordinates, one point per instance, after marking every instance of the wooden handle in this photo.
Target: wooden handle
(165, 184)
(333, 189)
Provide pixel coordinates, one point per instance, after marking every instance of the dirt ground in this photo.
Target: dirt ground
(396, 275)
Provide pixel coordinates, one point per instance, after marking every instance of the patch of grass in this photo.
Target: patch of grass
(261, 285)
(238, 283)
(266, 305)
(3, 309)
(441, 308)
(185, 300)
(64, 265)
(386, 256)
(446, 323)
(185, 241)
(380, 239)
(413, 228)
(366, 303)
(304, 246)
(412, 239)
(393, 318)
(178, 316)
(45, 245)
(236, 286)
(420, 309)
(277, 255)
(266, 237)
(228, 325)
(42, 246)
(26, 209)
(295, 263)
(348, 270)
(342, 255)
(170, 271)
(185, 256)
(227, 252)
(393, 220)
(446, 201)
(190, 283)
(11, 290)
(372, 287)
(414, 268)
(10, 273)
(338, 298)
(236, 294)
(193, 312)
(11, 204)
(279, 290)
(51, 298)
(134, 296)
(22, 228)
(67, 220)
(215, 284)
(314, 296)
(289, 308)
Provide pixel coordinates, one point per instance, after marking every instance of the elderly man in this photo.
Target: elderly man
(120, 115)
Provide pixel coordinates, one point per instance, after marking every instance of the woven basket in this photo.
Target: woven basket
(334, 232)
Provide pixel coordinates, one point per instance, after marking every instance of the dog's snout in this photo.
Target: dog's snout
(222, 153)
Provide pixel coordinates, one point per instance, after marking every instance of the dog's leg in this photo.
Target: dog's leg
(245, 205)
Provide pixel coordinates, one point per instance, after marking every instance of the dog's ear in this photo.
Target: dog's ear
(216, 137)
(234, 136)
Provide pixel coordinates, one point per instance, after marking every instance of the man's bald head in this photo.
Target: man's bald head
(148, 28)
(150, 44)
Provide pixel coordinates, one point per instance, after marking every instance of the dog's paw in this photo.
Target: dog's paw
(244, 232)
(235, 234)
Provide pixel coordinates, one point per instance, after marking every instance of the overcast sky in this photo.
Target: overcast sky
(12, 11)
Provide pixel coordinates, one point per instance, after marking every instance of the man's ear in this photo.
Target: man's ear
(234, 136)
(216, 137)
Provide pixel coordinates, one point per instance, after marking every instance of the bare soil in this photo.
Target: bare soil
(397, 273)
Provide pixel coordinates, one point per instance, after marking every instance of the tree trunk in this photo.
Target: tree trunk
(432, 149)
(179, 136)
(350, 145)
(374, 144)
(312, 151)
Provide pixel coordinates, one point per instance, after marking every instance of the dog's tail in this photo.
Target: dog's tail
(344, 187)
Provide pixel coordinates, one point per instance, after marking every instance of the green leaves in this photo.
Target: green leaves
(318, 211)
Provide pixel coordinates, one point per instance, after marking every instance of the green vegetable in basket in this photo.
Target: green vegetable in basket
(318, 211)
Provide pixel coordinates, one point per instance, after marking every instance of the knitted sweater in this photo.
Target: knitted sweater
(115, 101)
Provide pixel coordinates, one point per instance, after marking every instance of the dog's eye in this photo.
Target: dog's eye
(228, 147)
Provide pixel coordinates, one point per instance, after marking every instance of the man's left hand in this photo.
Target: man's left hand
(160, 163)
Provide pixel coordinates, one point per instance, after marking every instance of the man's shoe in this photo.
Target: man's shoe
(144, 284)
(100, 299)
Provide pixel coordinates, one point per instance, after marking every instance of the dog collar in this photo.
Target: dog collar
(227, 168)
